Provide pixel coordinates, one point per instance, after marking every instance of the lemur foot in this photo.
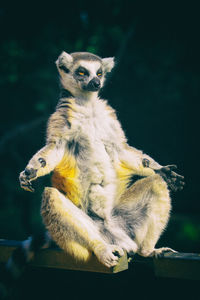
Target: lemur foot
(156, 252)
(174, 181)
(109, 256)
(161, 251)
(129, 246)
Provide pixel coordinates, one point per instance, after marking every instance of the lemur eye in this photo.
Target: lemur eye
(82, 72)
(99, 73)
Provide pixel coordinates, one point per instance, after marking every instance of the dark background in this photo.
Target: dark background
(154, 89)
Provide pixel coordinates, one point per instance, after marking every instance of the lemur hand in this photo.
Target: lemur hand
(28, 175)
(175, 181)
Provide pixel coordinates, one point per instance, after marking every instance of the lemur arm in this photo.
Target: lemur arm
(144, 165)
(47, 158)
(140, 163)
(42, 163)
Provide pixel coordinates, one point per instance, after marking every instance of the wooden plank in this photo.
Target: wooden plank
(171, 265)
(56, 258)
(6, 249)
(178, 265)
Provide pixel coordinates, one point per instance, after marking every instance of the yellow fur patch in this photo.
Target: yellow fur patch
(123, 174)
(77, 251)
(65, 179)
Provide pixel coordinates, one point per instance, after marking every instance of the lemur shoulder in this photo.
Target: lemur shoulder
(90, 207)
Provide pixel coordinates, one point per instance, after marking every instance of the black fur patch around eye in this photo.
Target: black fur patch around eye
(82, 70)
(99, 72)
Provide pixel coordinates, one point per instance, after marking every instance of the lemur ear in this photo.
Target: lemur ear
(108, 64)
(64, 60)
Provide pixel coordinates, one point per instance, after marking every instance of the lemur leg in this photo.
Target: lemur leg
(101, 203)
(74, 231)
(148, 203)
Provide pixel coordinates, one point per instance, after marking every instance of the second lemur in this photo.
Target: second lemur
(91, 207)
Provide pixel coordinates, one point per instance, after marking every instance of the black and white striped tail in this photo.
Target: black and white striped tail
(16, 264)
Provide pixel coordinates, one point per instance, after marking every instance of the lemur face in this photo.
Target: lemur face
(88, 75)
(83, 73)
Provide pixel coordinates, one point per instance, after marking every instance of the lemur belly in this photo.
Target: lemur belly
(66, 178)
(104, 175)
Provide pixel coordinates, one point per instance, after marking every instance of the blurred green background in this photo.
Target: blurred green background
(154, 88)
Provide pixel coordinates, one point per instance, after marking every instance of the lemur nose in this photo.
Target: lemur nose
(95, 82)
(94, 85)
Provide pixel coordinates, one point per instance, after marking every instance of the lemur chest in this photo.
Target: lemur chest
(92, 143)
(93, 128)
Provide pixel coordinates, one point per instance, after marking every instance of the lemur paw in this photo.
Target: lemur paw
(30, 174)
(109, 256)
(174, 181)
(25, 179)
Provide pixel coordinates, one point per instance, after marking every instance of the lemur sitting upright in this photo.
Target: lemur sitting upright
(90, 207)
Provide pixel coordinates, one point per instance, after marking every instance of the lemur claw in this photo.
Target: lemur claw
(27, 186)
(175, 181)
(30, 174)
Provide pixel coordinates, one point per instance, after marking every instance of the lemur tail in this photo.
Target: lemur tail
(11, 272)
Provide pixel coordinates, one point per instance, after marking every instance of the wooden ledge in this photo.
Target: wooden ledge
(178, 265)
(171, 265)
(58, 259)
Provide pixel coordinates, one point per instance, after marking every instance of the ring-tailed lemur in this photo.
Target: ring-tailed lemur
(90, 208)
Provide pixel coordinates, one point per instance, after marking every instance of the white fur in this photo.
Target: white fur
(55, 155)
(93, 123)
(64, 59)
(108, 63)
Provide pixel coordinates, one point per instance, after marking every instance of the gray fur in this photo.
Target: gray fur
(85, 56)
(130, 219)
(90, 203)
